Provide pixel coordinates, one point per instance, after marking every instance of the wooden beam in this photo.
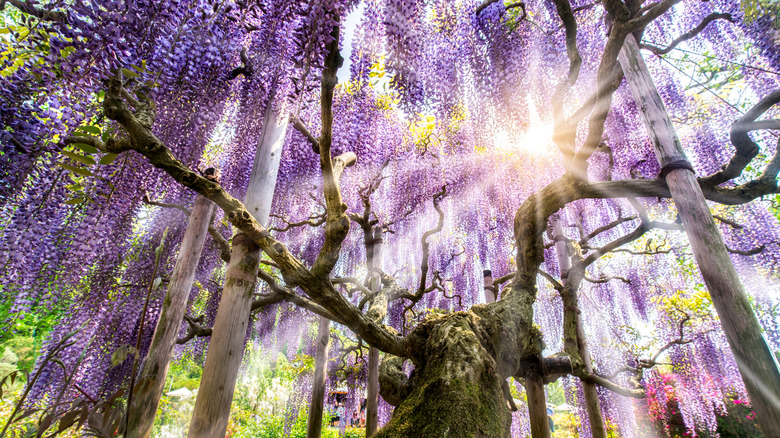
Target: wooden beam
(171, 316)
(226, 348)
(491, 290)
(314, 429)
(537, 405)
(755, 360)
(372, 403)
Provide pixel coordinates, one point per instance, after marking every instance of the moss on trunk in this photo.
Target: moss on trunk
(456, 386)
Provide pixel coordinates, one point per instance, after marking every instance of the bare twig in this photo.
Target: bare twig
(690, 34)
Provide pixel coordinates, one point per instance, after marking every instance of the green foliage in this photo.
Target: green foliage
(8, 362)
(262, 404)
(26, 332)
(739, 422)
(49, 420)
(555, 393)
(755, 9)
(273, 426)
(566, 425)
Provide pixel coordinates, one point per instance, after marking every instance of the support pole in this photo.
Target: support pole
(226, 348)
(755, 360)
(592, 405)
(314, 429)
(537, 405)
(491, 293)
(372, 402)
(174, 306)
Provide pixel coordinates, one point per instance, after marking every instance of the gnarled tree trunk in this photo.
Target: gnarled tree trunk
(461, 361)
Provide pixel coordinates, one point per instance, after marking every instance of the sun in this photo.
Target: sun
(535, 141)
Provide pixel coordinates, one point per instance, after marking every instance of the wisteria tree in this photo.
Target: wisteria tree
(529, 139)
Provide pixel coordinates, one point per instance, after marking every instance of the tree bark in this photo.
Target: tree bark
(592, 405)
(174, 306)
(372, 392)
(460, 360)
(755, 360)
(226, 348)
(314, 429)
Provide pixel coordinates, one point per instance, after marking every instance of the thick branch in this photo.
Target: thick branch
(746, 148)
(337, 224)
(246, 69)
(294, 272)
(565, 132)
(111, 146)
(425, 245)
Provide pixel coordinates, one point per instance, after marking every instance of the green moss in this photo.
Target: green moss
(456, 408)
(445, 402)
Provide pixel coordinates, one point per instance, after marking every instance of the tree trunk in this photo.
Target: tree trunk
(461, 359)
(592, 405)
(314, 429)
(226, 348)
(755, 360)
(174, 306)
(372, 392)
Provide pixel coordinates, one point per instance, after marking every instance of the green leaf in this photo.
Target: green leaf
(74, 201)
(76, 170)
(108, 159)
(90, 129)
(129, 73)
(67, 51)
(80, 158)
(86, 148)
(75, 187)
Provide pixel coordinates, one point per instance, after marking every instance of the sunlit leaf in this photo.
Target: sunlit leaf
(86, 148)
(90, 129)
(77, 170)
(108, 159)
(80, 158)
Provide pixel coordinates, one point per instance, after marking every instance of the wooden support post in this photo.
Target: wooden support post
(372, 392)
(537, 405)
(372, 403)
(226, 348)
(592, 405)
(314, 429)
(755, 360)
(174, 306)
(491, 292)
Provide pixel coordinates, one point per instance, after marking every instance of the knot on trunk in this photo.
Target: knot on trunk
(394, 385)
(189, 178)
